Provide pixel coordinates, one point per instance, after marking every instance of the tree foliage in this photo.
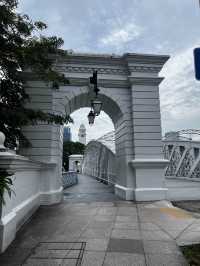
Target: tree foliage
(69, 148)
(22, 46)
(5, 185)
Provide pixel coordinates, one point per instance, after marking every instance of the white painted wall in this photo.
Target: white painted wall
(31, 189)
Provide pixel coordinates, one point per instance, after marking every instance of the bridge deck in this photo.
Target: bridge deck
(93, 226)
(88, 190)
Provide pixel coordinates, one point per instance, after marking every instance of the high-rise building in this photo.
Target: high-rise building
(82, 134)
(67, 134)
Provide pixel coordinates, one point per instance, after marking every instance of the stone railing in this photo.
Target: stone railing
(30, 188)
(69, 179)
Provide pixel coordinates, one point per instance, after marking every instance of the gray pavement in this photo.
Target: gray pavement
(92, 227)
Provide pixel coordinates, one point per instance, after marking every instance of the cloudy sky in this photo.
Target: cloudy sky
(144, 26)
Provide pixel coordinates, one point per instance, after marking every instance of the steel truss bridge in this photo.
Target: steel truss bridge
(183, 152)
(180, 148)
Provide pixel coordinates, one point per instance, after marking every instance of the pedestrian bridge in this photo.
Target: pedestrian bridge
(182, 174)
(129, 90)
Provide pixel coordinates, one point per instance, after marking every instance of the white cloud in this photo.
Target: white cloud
(119, 36)
(180, 92)
(131, 26)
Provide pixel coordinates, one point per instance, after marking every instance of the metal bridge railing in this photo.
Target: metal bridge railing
(69, 179)
(184, 159)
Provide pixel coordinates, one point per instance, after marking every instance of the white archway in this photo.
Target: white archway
(130, 95)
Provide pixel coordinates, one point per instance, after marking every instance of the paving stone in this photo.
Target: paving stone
(50, 254)
(124, 203)
(161, 247)
(69, 262)
(43, 262)
(55, 246)
(14, 256)
(107, 211)
(126, 219)
(105, 218)
(173, 233)
(100, 224)
(73, 254)
(195, 227)
(64, 237)
(102, 204)
(127, 211)
(125, 246)
(190, 237)
(126, 225)
(155, 235)
(124, 259)
(149, 226)
(126, 234)
(91, 258)
(95, 244)
(165, 260)
(96, 233)
(175, 224)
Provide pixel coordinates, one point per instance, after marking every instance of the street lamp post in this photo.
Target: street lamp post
(91, 117)
(96, 104)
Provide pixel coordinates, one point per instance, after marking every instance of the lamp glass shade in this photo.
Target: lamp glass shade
(96, 105)
(91, 117)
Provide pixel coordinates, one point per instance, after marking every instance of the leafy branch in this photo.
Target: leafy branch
(5, 185)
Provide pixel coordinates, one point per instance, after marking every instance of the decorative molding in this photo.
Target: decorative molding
(145, 81)
(85, 69)
(145, 69)
(145, 58)
(113, 59)
(108, 71)
(149, 163)
(107, 83)
(14, 162)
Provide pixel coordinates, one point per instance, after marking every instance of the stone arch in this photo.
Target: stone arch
(130, 92)
(70, 99)
(118, 107)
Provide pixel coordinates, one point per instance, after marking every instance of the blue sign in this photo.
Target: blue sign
(197, 63)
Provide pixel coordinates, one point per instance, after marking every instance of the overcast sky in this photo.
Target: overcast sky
(145, 26)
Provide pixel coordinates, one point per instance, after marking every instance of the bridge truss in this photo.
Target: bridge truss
(183, 154)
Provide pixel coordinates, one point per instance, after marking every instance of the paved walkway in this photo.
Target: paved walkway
(87, 230)
(90, 190)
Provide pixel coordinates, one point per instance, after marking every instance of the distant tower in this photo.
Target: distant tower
(82, 134)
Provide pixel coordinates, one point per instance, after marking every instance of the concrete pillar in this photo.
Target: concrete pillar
(45, 141)
(148, 163)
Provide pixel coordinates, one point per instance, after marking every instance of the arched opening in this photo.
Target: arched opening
(102, 125)
(99, 158)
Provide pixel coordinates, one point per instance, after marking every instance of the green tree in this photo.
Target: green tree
(69, 148)
(22, 47)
